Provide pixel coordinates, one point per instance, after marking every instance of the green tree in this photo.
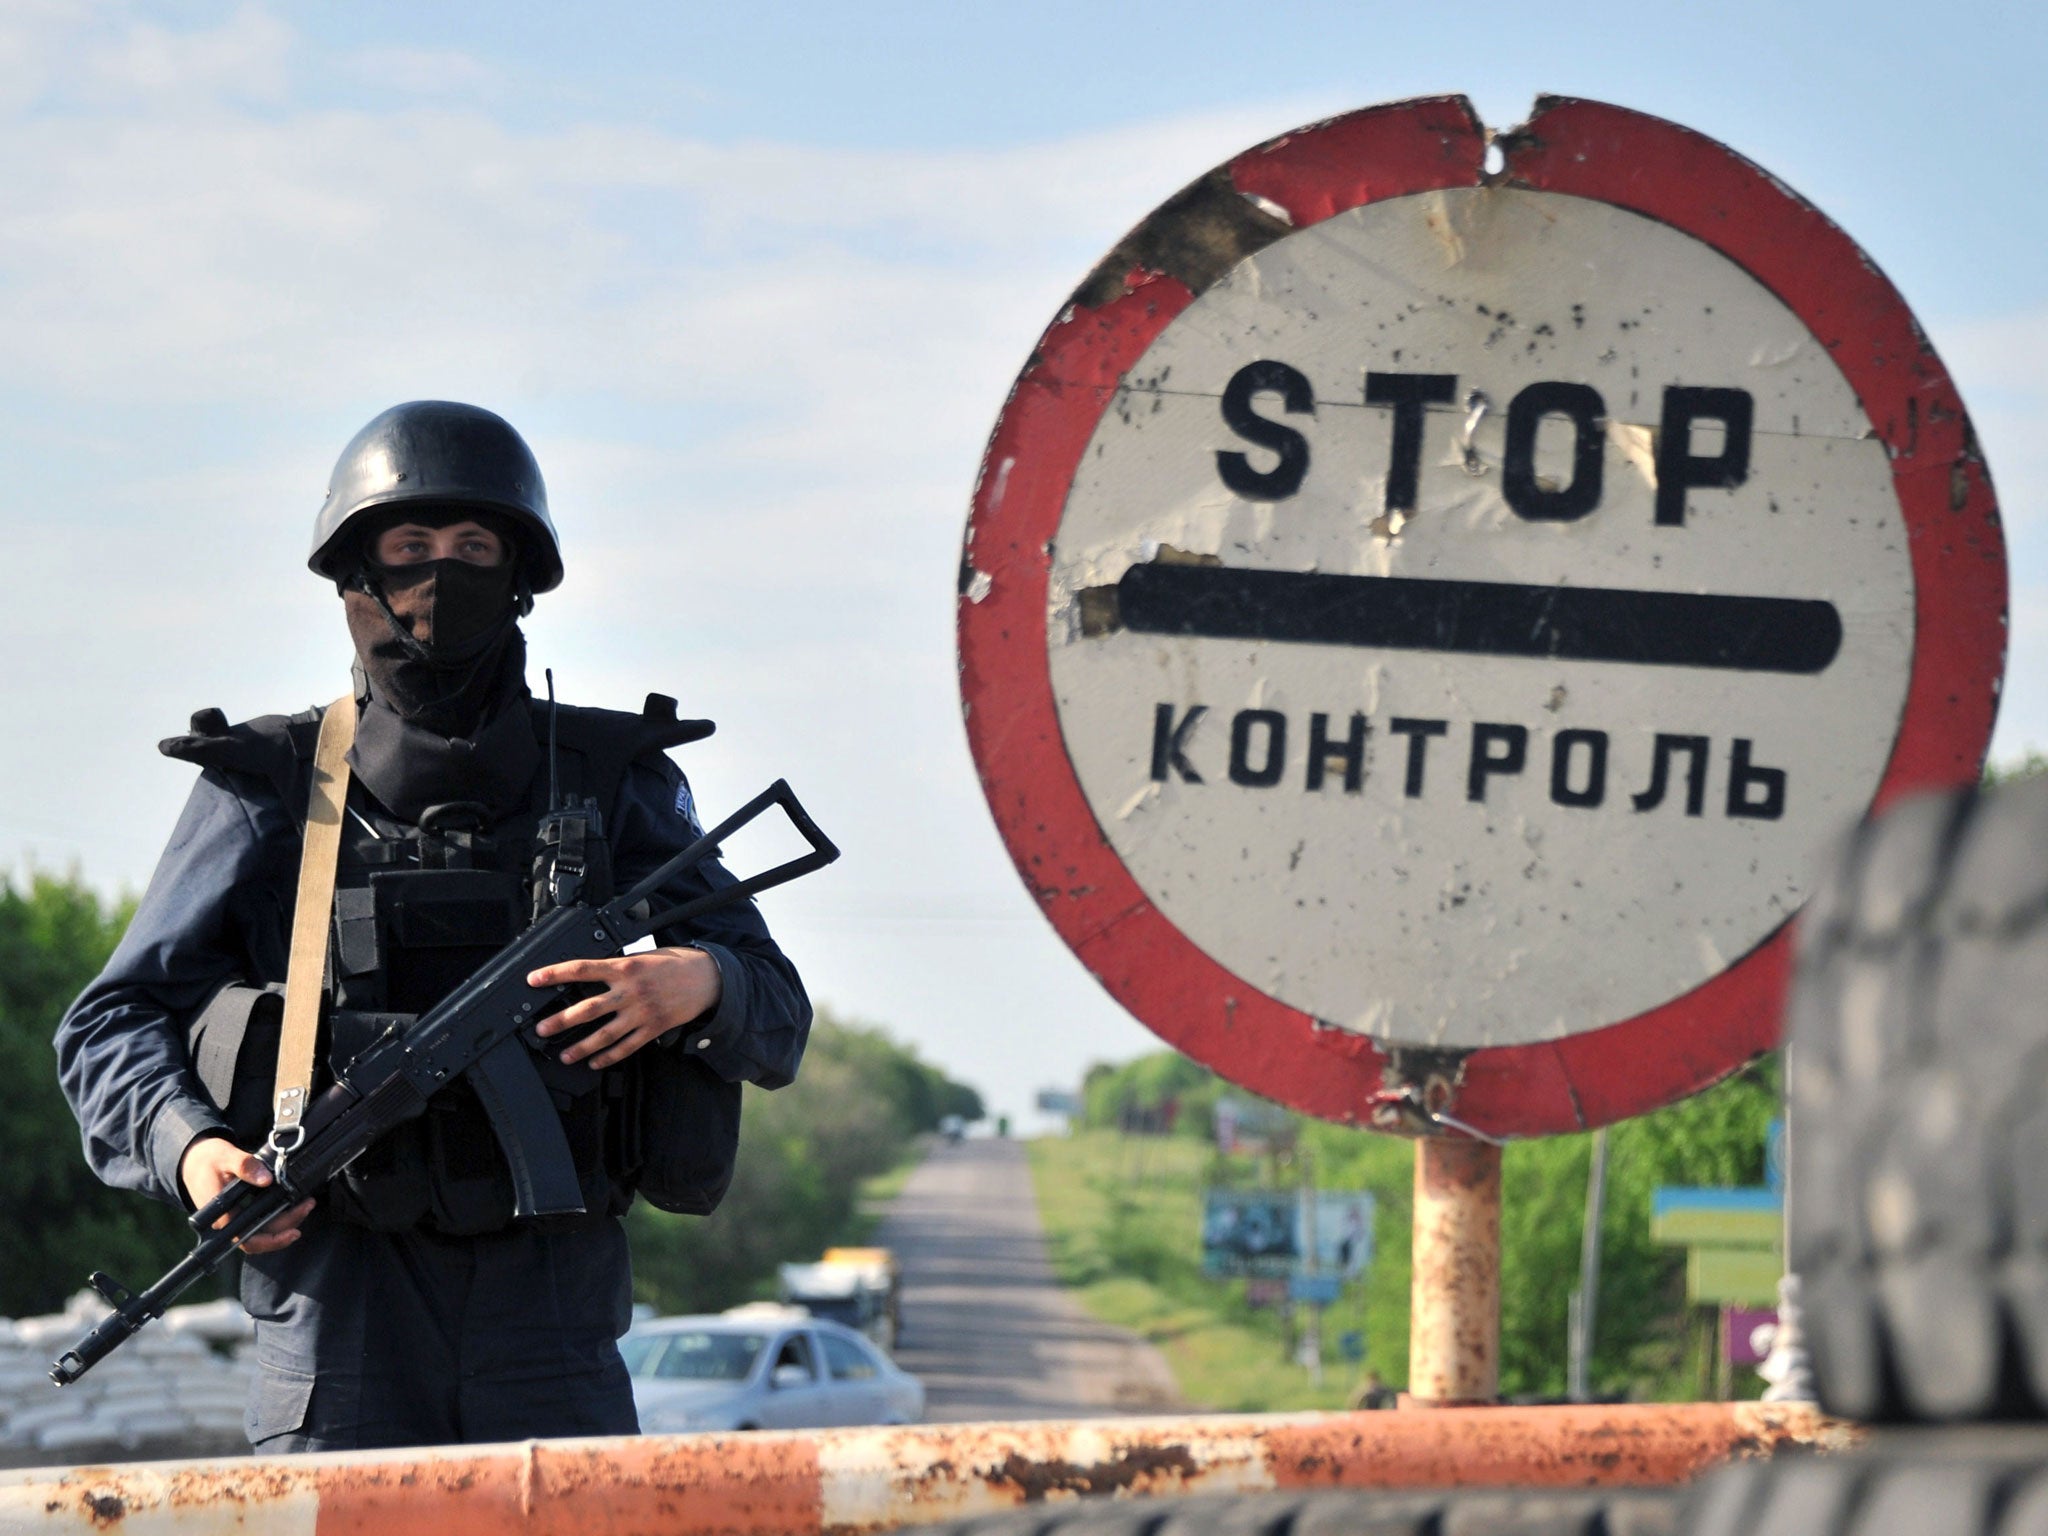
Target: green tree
(1109, 1095)
(1643, 1337)
(1646, 1344)
(57, 1221)
(2030, 764)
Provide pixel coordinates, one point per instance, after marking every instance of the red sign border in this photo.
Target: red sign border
(1587, 149)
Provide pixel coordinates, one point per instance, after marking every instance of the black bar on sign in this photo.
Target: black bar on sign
(1482, 618)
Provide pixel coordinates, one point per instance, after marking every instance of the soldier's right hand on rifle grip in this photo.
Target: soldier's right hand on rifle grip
(211, 1163)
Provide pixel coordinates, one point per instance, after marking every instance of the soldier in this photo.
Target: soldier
(406, 1306)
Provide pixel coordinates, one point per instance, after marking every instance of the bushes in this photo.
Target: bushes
(57, 1221)
(1162, 1091)
(1644, 1342)
(1647, 1343)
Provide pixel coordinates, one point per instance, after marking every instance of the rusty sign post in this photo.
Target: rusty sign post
(1454, 1295)
(1419, 622)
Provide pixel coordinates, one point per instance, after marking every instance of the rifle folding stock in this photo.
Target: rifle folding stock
(483, 1032)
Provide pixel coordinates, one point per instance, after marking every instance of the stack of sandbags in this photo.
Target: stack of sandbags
(176, 1389)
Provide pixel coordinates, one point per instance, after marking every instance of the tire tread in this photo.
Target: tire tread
(1918, 1070)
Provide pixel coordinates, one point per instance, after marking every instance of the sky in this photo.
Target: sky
(754, 281)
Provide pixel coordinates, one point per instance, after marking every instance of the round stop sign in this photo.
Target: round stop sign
(1418, 614)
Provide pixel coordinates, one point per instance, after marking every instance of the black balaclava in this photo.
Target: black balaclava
(440, 645)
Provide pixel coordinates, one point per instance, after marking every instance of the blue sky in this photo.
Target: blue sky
(754, 281)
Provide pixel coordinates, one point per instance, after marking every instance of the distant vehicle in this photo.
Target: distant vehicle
(859, 1287)
(762, 1368)
(952, 1127)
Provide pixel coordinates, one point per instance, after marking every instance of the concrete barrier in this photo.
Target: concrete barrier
(846, 1482)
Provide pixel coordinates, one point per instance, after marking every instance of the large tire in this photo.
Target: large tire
(1918, 1078)
(1341, 1512)
(1947, 1482)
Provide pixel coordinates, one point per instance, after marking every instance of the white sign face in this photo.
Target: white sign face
(1475, 611)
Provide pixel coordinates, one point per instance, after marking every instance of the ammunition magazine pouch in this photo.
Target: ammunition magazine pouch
(682, 1131)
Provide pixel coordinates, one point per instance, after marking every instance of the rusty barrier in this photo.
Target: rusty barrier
(846, 1482)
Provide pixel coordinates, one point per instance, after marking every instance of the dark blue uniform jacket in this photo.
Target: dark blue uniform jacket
(218, 911)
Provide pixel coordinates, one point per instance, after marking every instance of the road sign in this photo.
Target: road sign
(1316, 1290)
(1747, 1334)
(1413, 606)
(1251, 1127)
(1717, 1218)
(1734, 1241)
(1265, 1232)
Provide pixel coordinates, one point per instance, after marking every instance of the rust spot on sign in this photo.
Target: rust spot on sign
(1196, 235)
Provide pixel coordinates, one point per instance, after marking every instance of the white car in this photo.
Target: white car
(762, 1369)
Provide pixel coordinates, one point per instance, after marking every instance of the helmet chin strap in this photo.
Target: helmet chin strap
(413, 647)
(439, 676)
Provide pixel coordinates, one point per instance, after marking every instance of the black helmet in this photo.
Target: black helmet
(437, 451)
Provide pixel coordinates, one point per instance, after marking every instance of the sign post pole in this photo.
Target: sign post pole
(1454, 1297)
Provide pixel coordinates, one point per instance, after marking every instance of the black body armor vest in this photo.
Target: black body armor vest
(417, 909)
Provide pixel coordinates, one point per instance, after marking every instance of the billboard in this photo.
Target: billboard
(1266, 1232)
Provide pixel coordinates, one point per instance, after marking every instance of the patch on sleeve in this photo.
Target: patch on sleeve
(686, 806)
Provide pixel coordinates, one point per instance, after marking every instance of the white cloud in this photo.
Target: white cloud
(143, 65)
(435, 72)
(758, 375)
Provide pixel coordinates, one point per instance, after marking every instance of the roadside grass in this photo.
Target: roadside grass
(1122, 1217)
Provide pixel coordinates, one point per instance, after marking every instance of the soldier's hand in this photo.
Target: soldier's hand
(647, 994)
(211, 1164)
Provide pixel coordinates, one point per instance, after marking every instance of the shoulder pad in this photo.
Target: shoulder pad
(608, 740)
(614, 733)
(269, 747)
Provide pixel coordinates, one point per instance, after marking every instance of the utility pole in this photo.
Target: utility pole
(1312, 1345)
(1585, 1304)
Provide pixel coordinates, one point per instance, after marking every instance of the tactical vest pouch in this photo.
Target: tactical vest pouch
(233, 1043)
(402, 940)
(436, 926)
(682, 1129)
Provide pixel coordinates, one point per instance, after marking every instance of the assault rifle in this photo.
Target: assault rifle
(483, 1031)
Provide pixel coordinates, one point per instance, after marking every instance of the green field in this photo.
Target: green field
(1122, 1216)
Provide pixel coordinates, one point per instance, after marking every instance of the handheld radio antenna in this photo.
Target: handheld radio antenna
(554, 787)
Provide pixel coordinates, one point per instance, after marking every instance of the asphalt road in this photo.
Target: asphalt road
(984, 1322)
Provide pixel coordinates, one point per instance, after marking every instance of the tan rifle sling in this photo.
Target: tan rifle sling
(305, 976)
